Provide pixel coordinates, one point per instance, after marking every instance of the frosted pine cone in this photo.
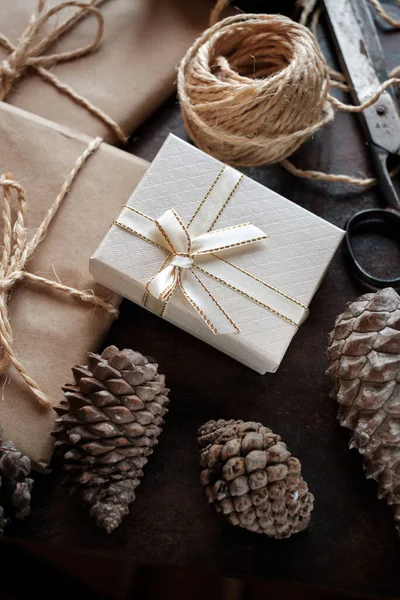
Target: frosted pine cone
(108, 425)
(15, 485)
(251, 477)
(364, 358)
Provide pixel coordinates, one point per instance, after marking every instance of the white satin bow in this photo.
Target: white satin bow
(196, 249)
(179, 268)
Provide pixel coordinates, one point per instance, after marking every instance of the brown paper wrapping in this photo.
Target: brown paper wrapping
(130, 75)
(51, 331)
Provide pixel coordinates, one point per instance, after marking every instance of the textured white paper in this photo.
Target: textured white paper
(294, 260)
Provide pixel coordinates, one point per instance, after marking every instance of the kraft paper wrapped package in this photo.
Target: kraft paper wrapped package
(191, 246)
(51, 330)
(129, 75)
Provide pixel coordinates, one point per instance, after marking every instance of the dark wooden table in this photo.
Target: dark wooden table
(351, 544)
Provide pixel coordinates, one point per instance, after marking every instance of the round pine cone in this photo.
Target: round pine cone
(364, 359)
(108, 425)
(251, 477)
(15, 485)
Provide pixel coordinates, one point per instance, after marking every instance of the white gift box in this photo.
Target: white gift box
(232, 263)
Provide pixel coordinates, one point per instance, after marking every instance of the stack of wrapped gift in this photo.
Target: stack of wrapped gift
(100, 68)
(197, 243)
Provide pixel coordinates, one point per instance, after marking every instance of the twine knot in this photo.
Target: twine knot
(6, 70)
(18, 248)
(8, 74)
(6, 283)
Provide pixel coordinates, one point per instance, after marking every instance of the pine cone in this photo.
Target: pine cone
(364, 357)
(108, 425)
(15, 485)
(251, 477)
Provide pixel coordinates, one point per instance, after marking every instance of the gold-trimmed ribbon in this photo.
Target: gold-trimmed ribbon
(195, 249)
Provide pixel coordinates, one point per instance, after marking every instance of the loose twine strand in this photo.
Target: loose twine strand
(29, 52)
(253, 88)
(18, 249)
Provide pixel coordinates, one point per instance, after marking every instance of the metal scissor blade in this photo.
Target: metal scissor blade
(363, 62)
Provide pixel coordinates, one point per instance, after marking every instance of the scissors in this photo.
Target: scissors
(363, 62)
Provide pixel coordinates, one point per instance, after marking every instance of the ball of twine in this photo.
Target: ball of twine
(253, 88)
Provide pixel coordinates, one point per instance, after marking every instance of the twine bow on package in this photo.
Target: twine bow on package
(217, 254)
(98, 66)
(59, 190)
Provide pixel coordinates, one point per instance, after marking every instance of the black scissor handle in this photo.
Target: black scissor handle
(373, 219)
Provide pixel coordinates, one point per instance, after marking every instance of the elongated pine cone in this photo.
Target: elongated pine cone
(108, 425)
(364, 358)
(251, 477)
(15, 485)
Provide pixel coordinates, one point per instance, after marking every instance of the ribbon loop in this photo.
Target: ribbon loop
(174, 232)
(26, 53)
(37, 58)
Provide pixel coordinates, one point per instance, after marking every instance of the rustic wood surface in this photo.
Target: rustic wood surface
(351, 544)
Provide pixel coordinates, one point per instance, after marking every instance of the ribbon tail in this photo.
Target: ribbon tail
(256, 290)
(204, 303)
(163, 284)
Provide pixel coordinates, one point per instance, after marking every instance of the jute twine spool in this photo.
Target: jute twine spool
(254, 87)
